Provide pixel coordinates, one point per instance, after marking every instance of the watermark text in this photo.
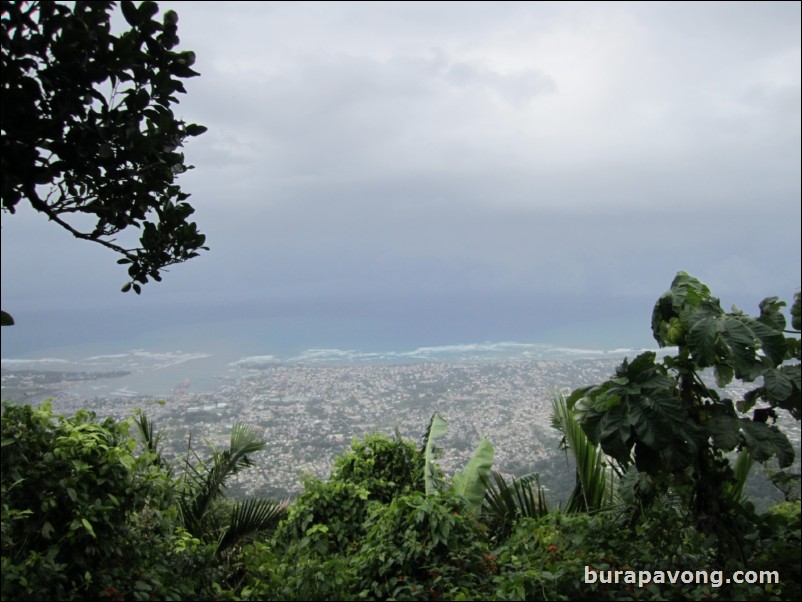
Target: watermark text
(700, 577)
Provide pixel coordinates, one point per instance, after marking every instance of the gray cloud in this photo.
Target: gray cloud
(493, 156)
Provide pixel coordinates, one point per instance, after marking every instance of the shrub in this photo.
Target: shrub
(424, 547)
(84, 518)
(385, 467)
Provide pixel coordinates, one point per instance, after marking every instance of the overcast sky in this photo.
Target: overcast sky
(384, 162)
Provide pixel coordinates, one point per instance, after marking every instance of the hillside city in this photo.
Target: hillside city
(307, 415)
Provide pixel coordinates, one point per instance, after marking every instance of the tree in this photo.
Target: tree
(665, 421)
(84, 517)
(88, 130)
(203, 509)
(87, 513)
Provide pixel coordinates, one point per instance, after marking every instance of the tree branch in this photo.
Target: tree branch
(40, 205)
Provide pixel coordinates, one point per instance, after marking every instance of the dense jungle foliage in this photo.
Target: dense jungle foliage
(92, 510)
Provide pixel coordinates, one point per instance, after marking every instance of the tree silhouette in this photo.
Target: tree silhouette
(88, 130)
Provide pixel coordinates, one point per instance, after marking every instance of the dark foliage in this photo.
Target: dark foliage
(88, 128)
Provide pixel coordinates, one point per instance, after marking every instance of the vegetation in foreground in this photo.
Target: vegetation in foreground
(91, 509)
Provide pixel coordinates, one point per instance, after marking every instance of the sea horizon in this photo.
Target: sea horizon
(158, 370)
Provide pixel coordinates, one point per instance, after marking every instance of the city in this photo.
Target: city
(307, 415)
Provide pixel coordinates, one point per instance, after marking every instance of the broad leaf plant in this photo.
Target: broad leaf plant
(673, 419)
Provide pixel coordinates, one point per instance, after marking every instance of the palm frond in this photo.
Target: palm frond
(244, 440)
(594, 485)
(207, 480)
(250, 517)
(506, 502)
(150, 438)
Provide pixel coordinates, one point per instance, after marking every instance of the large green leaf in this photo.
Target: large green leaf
(437, 428)
(741, 345)
(666, 429)
(771, 314)
(723, 426)
(703, 340)
(764, 441)
(793, 403)
(639, 406)
(769, 332)
(670, 314)
(471, 482)
(614, 432)
(778, 384)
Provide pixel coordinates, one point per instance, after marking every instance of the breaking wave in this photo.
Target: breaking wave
(462, 353)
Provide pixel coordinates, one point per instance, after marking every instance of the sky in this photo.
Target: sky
(407, 173)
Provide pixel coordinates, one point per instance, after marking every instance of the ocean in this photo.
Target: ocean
(200, 348)
(158, 372)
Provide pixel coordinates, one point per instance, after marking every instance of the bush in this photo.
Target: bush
(425, 547)
(295, 572)
(84, 518)
(545, 559)
(779, 547)
(328, 516)
(385, 467)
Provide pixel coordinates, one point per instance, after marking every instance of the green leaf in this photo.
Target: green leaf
(437, 428)
(771, 339)
(764, 441)
(778, 385)
(771, 314)
(471, 483)
(142, 586)
(6, 319)
(130, 12)
(505, 503)
(47, 530)
(743, 466)
(724, 429)
(750, 399)
(252, 516)
(590, 491)
(793, 403)
(703, 339)
(645, 411)
(724, 374)
(88, 526)
(148, 8)
(193, 129)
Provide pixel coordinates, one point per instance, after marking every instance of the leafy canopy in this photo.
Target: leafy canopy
(668, 425)
(662, 414)
(89, 137)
